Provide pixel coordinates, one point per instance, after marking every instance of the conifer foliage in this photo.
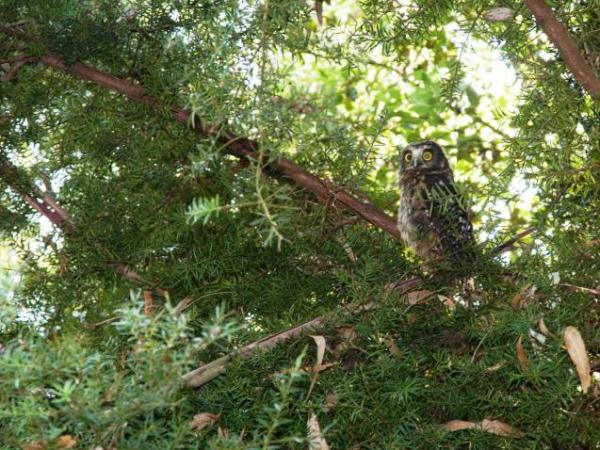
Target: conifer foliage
(191, 188)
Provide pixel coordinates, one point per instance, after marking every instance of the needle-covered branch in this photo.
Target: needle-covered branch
(207, 372)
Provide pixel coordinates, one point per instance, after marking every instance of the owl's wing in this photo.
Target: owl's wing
(449, 217)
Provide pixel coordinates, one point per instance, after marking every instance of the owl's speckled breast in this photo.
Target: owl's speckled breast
(413, 220)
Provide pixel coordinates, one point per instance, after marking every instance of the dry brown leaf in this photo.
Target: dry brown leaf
(448, 302)
(148, 303)
(320, 341)
(331, 400)
(500, 428)
(521, 297)
(578, 354)
(521, 355)
(415, 297)
(35, 445)
(489, 426)
(316, 441)
(203, 420)
(393, 347)
(353, 308)
(500, 14)
(543, 328)
(496, 367)
(65, 442)
(458, 425)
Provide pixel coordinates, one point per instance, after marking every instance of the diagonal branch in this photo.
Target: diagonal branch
(46, 205)
(559, 35)
(241, 147)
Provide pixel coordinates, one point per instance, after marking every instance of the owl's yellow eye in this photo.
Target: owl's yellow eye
(427, 156)
(407, 156)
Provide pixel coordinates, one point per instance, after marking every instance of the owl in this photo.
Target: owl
(433, 219)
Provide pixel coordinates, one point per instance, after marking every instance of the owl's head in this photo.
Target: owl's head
(426, 155)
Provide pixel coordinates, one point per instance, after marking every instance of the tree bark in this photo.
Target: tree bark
(559, 35)
(241, 147)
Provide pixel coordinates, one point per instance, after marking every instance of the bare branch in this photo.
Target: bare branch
(507, 245)
(208, 372)
(559, 35)
(241, 147)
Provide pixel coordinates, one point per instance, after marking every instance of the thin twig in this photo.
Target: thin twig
(584, 290)
(507, 245)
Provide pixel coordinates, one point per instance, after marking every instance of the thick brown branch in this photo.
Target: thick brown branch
(565, 44)
(240, 147)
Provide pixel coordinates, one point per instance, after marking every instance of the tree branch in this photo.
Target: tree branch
(566, 46)
(241, 147)
(46, 205)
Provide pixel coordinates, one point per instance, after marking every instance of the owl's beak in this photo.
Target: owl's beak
(416, 162)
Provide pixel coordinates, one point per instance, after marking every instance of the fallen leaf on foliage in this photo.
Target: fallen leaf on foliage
(489, 426)
(353, 308)
(543, 328)
(347, 334)
(415, 297)
(148, 303)
(495, 367)
(521, 297)
(521, 355)
(447, 301)
(392, 347)
(203, 420)
(320, 341)
(579, 356)
(316, 441)
(500, 14)
(536, 338)
(65, 442)
(331, 400)
(35, 445)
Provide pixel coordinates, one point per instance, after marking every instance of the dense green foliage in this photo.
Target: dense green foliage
(337, 99)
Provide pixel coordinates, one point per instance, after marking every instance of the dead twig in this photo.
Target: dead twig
(508, 244)
(583, 290)
(208, 372)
